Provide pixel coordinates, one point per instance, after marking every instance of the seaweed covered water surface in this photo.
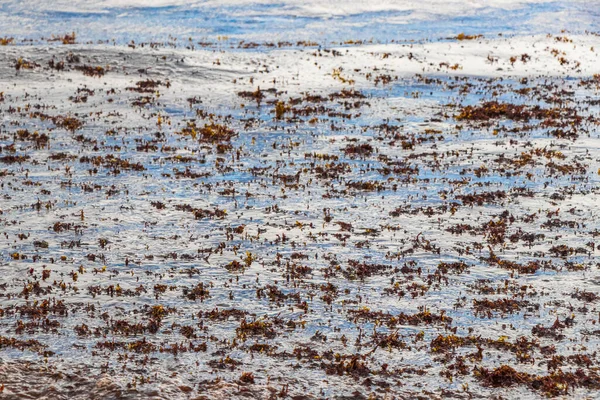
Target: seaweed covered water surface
(235, 218)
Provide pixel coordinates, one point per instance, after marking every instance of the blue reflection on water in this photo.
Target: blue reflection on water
(280, 22)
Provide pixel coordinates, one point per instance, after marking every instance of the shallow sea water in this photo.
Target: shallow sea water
(165, 233)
